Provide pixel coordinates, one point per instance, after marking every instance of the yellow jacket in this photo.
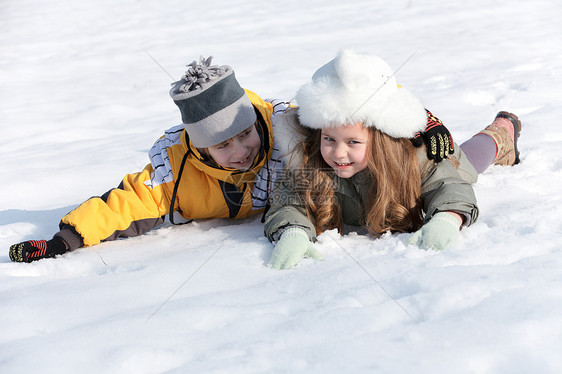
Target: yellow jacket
(143, 199)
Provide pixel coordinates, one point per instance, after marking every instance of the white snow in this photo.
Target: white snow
(82, 101)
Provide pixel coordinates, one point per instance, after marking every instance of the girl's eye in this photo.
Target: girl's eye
(245, 133)
(328, 139)
(223, 145)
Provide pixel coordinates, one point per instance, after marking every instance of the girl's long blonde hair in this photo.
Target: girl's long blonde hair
(394, 197)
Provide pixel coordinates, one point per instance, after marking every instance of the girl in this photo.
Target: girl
(353, 163)
(222, 154)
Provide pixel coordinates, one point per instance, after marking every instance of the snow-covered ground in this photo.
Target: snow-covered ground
(82, 99)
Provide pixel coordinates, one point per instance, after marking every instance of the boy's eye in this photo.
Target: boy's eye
(223, 145)
(328, 139)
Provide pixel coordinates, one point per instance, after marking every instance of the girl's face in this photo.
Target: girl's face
(344, 148)
(239, 151)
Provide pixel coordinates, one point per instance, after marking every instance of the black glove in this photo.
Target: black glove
(437, 138)
(33, 250)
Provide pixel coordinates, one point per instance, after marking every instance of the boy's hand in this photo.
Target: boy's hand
(437, 138)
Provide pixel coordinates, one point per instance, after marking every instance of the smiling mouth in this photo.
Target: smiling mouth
(244, 161)
(343, 164)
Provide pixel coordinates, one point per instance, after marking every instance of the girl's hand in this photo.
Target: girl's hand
(441, 232)
(292, 246)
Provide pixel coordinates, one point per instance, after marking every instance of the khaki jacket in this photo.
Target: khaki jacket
(446, 186)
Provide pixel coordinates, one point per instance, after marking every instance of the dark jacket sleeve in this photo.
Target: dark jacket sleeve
(286, 209)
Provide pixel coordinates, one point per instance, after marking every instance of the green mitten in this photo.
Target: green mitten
(442, 231)
(292, 246)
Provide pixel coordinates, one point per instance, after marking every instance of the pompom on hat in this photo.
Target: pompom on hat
(359, 88)
(213, 106)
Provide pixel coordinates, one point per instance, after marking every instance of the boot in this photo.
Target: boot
(505, 131)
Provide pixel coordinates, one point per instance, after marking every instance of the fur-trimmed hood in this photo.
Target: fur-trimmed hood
(287, 136)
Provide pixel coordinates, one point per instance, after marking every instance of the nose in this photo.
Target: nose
(238, 148)
(340, 150)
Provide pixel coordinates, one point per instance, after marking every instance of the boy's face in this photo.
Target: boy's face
(344, 148)
(239, 151)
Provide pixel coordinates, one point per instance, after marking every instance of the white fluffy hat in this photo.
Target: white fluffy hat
(360, 88)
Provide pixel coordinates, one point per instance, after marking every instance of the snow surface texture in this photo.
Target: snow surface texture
(81, 102)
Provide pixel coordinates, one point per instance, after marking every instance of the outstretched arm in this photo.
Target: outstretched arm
(129, 210)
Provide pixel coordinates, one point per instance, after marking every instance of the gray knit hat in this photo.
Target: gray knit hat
(213, 106)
